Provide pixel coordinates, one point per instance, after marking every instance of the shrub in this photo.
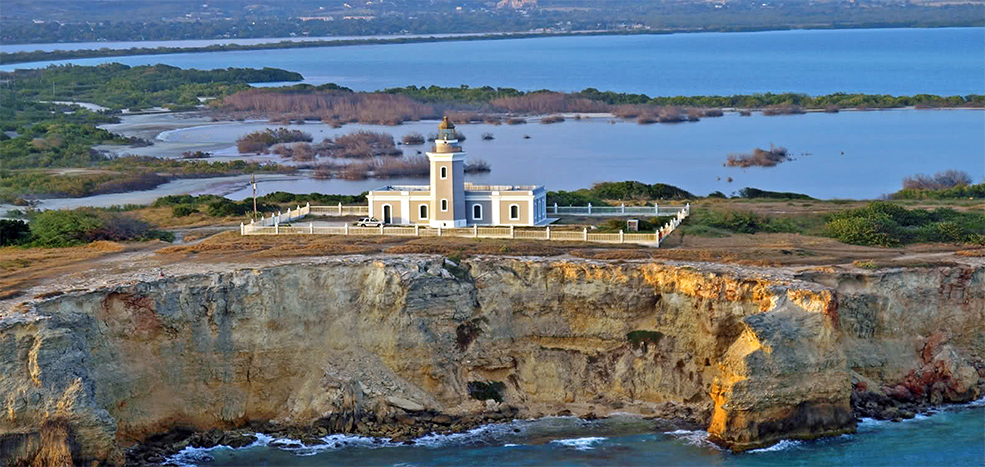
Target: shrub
(876, 230)
(552, 119)
(643, 339)
(13, 232)
(630, 190)
(359, 145)
(487, 136)
(573, 198)
(182, 210)
(51, 229)
(259, 141)
(939, 181)
(473, 166)
(413, 138)
(753, 193)
(759, 157)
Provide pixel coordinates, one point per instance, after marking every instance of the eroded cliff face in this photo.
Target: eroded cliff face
(756, 355)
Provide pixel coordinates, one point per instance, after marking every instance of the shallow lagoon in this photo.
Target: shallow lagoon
(851, 154)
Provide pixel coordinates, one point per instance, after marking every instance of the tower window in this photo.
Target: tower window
(424, 211)
(514, 212)
(477, 212)
(444, 172)
(444, 205)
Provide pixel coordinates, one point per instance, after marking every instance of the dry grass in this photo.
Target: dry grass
(162, 218)
(21, 267)
(971, 253)
(612, 254)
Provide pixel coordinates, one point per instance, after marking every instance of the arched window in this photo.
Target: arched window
(444, 172)
(444, 205)
(424, 211)
(514, 212)
(477, 212)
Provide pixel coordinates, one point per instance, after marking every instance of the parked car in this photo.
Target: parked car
(368, 222)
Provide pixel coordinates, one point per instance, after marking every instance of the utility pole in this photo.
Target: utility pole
(253, 181)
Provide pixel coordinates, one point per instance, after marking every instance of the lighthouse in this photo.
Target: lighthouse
(447, 161)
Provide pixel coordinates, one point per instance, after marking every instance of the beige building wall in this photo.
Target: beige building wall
(415, 211)
(394, 211)
(451, 188)
(524, 208)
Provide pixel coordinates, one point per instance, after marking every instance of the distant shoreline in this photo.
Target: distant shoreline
(9, 58)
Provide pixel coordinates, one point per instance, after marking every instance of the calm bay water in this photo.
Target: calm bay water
(954, 438)
(882, 61)
(852, 154)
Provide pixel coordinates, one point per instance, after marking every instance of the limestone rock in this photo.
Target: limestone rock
(405, 404)
(320, 343)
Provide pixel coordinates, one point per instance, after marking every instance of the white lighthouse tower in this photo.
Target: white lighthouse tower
(447, 179)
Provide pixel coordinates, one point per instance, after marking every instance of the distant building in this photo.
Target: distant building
(449, 201)
(516, 4)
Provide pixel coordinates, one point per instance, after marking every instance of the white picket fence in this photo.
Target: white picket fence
(272, 226)
(620, 210)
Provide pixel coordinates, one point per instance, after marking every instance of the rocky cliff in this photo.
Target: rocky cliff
(756, 355)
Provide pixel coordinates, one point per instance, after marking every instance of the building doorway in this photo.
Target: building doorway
(387, 214)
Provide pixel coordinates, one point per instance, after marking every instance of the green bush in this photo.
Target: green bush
(883, 223)
(879, 230)
(632, 190)
(182, 210)
(52, 229)
(573, 198)
(754, 193)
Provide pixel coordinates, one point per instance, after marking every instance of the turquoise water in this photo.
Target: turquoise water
(891, 61)
(954, 437)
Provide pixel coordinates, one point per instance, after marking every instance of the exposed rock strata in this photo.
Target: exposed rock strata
(756, 355)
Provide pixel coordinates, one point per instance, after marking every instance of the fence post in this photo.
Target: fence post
(657, 234)
(621, 237)
(589, 208)
(242, 229)
(512, 235)
(347, 228)
(656, 209)
(439, 230)
(584, 233)
(687, 209)
(276, 227)
(381, 229)
(311, 227)
(340, 208)
(417, 230)
(623, 208)
(475, 231)
(548, 232)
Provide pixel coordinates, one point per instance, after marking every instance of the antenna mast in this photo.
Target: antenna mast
(253, 182)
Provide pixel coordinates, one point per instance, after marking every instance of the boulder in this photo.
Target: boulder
(405, 404)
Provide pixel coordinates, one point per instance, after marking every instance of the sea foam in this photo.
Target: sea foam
(581, 444)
